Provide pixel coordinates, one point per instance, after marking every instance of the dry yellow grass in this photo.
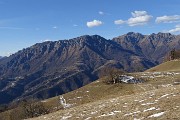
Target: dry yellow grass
(173, 65)
(154, 104)
(158, 98)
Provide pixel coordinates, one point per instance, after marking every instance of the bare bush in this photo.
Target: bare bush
(113, 76)
(32, 108)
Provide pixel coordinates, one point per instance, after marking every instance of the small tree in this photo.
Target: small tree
(3, 108)
(172, 54)
(113, 76)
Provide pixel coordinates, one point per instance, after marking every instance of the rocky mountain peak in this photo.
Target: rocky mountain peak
(86, 38)
(164, 34)
(133, 34)
(130, 37)
(161, 36)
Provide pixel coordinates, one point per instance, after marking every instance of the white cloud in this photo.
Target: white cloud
(94, 23)
(139, 18)
(175, 30)
(46, 40)
(118, 22)
(138, 13)
(168, 19)
(8, 54)
(101, 13)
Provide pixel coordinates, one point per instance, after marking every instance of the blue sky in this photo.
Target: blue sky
(26, 22)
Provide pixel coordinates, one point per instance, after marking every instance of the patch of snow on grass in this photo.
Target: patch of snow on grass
(66, 117)
(79, 97)
(148, 103)
(109, 114)
(157, 73)
(142, 100)
(139, 118)
(152, 108)
(151, 77)
(168, 85)
(113, 100)
(125, 106)
(62, 101)
(176, 73)
(88, 118)
(176, 82)
(100, 106)
(132, 113)
(129, 79)
(94, 112)
(117, 111)
(156, 115)
(163, 96)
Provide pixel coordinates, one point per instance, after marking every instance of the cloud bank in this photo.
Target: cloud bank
(168, 19)
(119, 22)
(175, 30)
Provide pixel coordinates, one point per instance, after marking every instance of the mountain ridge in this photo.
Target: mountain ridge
(56, 67)
(150, 45)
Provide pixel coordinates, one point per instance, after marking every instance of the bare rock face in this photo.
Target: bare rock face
(51, 68)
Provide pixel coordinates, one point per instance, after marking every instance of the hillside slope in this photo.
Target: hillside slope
(157, 98)
(161, 104)
(173, 65)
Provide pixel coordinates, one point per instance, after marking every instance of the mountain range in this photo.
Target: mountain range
(55, 67)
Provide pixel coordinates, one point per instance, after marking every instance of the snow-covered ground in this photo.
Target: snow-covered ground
(158, 74)
(129, 79)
